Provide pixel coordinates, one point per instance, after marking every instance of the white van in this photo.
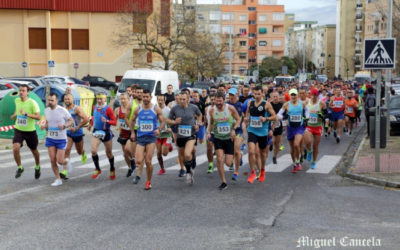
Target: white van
(154, 80)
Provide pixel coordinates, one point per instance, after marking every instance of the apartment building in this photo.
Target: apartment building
(289, 22)
(323, 45)
(375, 26)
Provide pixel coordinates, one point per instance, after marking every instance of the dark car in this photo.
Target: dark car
(202, 85)
(98, 81)
(395, 115)
(80, 82)
(186, 84)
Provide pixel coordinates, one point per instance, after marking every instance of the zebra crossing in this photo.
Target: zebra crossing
(324, 165)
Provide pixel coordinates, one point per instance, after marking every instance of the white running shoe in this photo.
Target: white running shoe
(56, 183)
(69, 166)
(189, 178)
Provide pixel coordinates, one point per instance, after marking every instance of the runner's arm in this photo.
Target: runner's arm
(282, 111)
(127, 121)
(110, 115)
(169, 120)
(211, 121)
(160, 118)
(236, 116)
(273, 116)
(70, 122)
(116, 112)
(35, 116)
(92, 120)
(133, 119)
(84, 119)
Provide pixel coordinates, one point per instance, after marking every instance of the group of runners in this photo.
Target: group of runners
(222, 119)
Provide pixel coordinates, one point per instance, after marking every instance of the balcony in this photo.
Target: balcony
(252, 60)
(358, 64)
(376, 31)
(359, 18)
(321, 66)
(322, 54)
(359, 6)
(252, 22)
(252, 47)
(359, 29)
(358, 41)
(252, 34)
(358, 52)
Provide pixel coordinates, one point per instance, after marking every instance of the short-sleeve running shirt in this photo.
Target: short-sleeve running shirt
(56, 117)
(185, 128)
(24, 123)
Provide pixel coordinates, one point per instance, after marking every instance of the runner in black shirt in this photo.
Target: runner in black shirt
(170, 96)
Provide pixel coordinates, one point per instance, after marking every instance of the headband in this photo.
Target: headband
(101, 96)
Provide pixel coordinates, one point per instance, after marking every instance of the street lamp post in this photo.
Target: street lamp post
(258, 65)
(388, 75)
(230, 43)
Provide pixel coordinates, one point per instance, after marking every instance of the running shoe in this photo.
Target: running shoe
(130, 172)
(56, 183)
(182, 173)
(326, 134)
(136, 180)
(309, 156)
(282, 148)
(37, 173)
(96, 174)
(356, 124)
(112, 175)
(338, 139)
(210, 169)
(252, 177)
(64, 175)
(231, 168)
(84, 157)
(162, 171)
(189, 178)
(298, 166)
(19, 172)
(243, 147)
(274, 160)
(261, 177)
(313, 165)
(235, 177)
(223, 186)
(148, 186)
(271, 147)
(294, 170)
(241, 159)
(334, 134)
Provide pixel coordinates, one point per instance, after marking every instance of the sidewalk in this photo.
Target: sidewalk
(363, 166)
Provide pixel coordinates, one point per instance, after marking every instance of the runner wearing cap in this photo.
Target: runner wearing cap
(316, 116)
(337, 105)
(295, 128)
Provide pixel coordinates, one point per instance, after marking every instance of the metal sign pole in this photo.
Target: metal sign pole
(388, 71)
(378, 121)
(76, 73)
(24, 72)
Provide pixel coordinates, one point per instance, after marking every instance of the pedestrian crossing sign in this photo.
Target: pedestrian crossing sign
(51, 64)
(379, 53)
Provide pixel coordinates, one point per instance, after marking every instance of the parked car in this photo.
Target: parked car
(54, 81)
(267, 79)
(65, 79)
(395, 115)
(202, 85)
(79, 81)
(98, 81)
(4, 90)
(35, 80)
(187, 84)
(14, 84)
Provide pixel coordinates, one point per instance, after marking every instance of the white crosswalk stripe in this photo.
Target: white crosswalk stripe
(11, 156)
(284, 162)
(325, 164)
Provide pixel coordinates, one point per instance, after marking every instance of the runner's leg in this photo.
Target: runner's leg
(149, 155)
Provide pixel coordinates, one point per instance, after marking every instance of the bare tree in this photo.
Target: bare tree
(162, 33)
(304, 53)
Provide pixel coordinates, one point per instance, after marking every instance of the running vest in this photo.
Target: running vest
(338, 104)
(97, 114)
(223, 123)
(164, 133)
(208, 117)
(134, 106)
(238, 107)
(314, 118)
(123, 127)
(147, 121)
(256, 126)
(77, 120)
(295, 115)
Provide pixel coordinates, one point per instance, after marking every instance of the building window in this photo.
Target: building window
(227, 55)
(139, 23)
(277, 43)
(275, 30)
(291, 17)
(267, 2)
(243, 56)
(80, 39)
(215, 28)
(201, 17)
(228, 29)
(226, 16)
(215, 15)
(252, 9)
(262, 57)
(242, 43)
(290, 29)
(242, 69)
(252, 22)
(242, 18)
(37, 38)
(242, 31)
(59, 39)
(279, 16)
(262, 18)
(263, 43)
(297, 25)
(190, 7)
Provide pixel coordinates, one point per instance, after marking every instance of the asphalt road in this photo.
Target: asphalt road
(104, 214)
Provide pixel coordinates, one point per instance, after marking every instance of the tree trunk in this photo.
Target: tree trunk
(166, 63)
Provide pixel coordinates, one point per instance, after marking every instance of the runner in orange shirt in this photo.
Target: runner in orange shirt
(350, 107)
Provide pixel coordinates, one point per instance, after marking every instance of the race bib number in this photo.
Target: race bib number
(162, 130)
(123, 125)
(278, 124)
(255, 122)
(295, 118)
(146, 126)
(313, 119)
(338, 104)
(54, 133)
(99, 134)
(22, 120)
(349, 109)
(223, 128)
(185, 130)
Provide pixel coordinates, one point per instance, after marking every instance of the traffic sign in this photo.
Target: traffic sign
(284, 70)
(24, 64)
(76, 65)
(51, 64)
(379, 53)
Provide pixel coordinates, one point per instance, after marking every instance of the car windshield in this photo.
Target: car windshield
(282, 79)
(145, 84)
(395, 103)
(361, 79)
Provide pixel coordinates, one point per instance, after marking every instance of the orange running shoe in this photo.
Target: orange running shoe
(298, 167)
(294, 170)
(112, 175)
(261, 178)
(148, 186)
(96, 174)
(252, 177)
(162, 171)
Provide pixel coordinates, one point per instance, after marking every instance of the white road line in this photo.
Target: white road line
(283, 162)
(10, 154)
(325, 164)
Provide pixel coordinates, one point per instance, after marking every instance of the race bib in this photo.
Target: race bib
(313, 119)
(223, 128)
(255, 122)
(349, 109)
(123, 125)
(185, 130)
(295, 118)
(278, 124)
(99, 134)
(146, 126)
(284, 123)
(54, 133)
(337, 104)
(162, 130)
(22, 120)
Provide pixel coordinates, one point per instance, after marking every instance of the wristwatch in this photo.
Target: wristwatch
(26, 114)
(64, 127)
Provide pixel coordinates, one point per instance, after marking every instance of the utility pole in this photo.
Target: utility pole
(388, 71)
(230, 43)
